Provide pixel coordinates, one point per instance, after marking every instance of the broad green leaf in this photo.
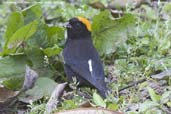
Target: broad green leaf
(43, 87)
(15, 21)
(12, 66)
(153, 95)
(108, 33)
(55, 34)
(98, 100)
(35, 58)
(46, 36)
(40, 38)
(22, 34)
(13, 82)
(56, 31)
(31, 13)
(55, 50)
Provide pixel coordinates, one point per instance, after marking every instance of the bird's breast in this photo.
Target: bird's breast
(79, 49)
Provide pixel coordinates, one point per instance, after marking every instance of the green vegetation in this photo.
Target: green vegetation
(134, 47)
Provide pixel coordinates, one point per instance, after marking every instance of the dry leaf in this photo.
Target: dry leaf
(89, 111)
(54, 99)
(97, 5)
(85, 104)
(122, 4)
(6, 93)
(30, 78)
(162, 75)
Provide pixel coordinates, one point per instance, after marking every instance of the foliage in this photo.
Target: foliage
(98, 100)
(136, 45)
(47, 85)
(24, 43)
(109, 33)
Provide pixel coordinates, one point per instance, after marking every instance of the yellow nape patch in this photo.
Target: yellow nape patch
(86, 22)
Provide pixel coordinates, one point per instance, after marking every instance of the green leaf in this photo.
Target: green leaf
(46, 36)
(40, 38)
(55, 50)
(12, 66)
(153, 95)
(68, 11)
(108, 33)
(19, 37)
(12, 70)
(69, 104)
(113, 106)
(31, 13)
(167, 7)
(35, 58)
(164, 45)
(98, 100)
(55, 35)
(149, 13)
(22, 34)
(15, 21)
(43, 87)
(13, 82)
(56, 31)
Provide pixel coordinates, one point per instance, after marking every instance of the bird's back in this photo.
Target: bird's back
(78, 54)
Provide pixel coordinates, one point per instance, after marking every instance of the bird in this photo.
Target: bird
(81, 59)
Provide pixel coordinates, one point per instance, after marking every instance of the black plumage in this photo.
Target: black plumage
(81, 58)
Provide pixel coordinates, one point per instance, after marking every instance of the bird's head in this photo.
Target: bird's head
(78, 27)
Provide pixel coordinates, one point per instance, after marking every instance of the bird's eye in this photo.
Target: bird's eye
(77, 24)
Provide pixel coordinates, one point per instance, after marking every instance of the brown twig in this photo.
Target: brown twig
(133, 84)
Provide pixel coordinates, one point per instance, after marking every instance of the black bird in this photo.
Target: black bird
(81, 59)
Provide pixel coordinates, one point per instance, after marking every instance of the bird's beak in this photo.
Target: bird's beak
(67, 25)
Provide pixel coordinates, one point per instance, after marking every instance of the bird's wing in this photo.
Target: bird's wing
(91, 70)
